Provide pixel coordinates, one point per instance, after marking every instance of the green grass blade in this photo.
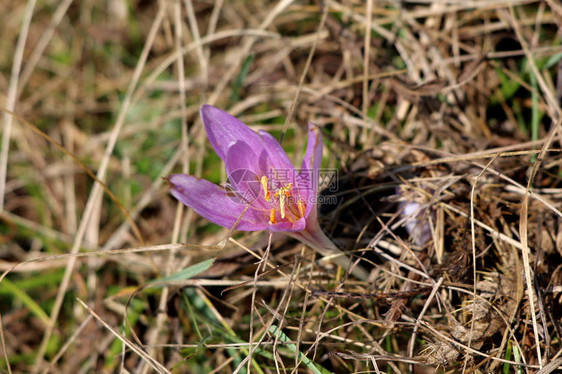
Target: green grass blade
(239, 80)
(317, 369)
(187, 273)
(536, 114)
(9, 287)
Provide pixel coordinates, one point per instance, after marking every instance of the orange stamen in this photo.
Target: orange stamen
(300, 205)
(272, 219)
(283, 193)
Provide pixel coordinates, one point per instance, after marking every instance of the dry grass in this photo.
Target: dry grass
(444, 123)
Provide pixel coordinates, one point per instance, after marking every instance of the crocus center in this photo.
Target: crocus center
(283, 203)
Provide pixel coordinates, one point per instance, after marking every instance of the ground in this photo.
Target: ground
(442, 178)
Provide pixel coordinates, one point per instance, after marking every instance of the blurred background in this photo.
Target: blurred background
(442, 119)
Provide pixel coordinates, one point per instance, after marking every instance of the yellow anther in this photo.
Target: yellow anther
(283, 193)
(266, 193)
(300, 205)
(282, 204)
(272, 219)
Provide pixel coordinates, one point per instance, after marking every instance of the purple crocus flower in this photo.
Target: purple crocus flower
(265, 190)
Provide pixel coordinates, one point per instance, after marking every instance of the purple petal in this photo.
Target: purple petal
(288, 226)
(242, 168)
(311, 165)
(224, 129)
(212, 202)
(313, 156)
(276, 156)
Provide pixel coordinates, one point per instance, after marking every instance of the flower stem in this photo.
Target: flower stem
(314, 237)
